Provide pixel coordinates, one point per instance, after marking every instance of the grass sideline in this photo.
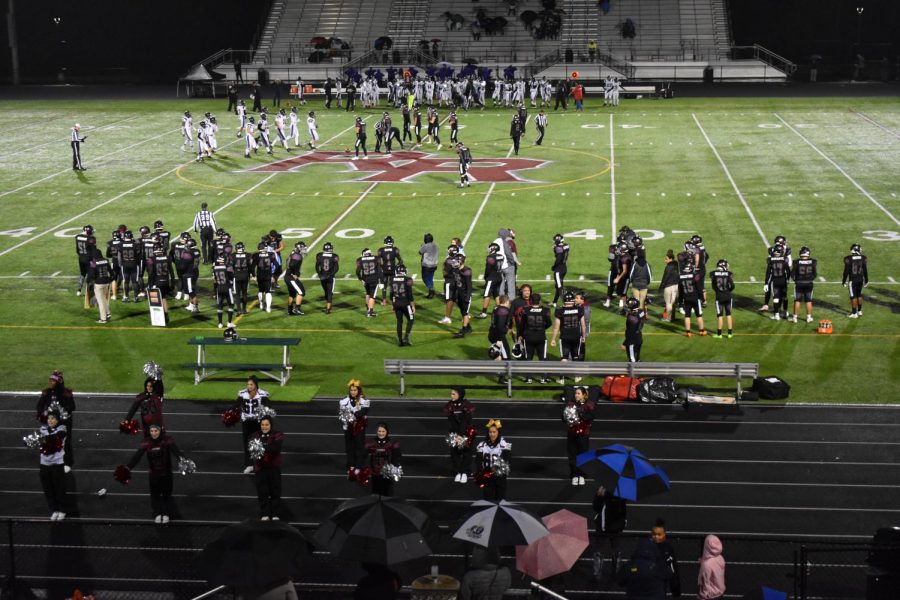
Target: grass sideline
(667, 179)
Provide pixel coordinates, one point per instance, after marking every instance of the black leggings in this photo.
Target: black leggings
(495, 489)
(575, 445)
(268, 491)
(161, 494)
(404, 313)
(460, 459)
(354, 447)
(53, 480)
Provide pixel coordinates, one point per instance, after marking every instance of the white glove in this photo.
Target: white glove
(766, 288)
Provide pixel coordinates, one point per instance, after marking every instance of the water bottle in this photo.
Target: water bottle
(598, 565)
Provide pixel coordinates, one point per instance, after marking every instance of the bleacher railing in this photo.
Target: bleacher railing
(767, 56)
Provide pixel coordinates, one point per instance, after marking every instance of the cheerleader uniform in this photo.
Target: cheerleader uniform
(459, 420)
(355, 433)
(267, 474)
(495, 487)
(382, 452)
(249, 408)
(578, 437)
(63, 395)
(150, 406)
(159, 469)
(53, 475)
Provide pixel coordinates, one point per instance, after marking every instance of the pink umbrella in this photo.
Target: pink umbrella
(557, 552)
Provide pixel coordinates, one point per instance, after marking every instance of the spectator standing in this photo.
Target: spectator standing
(669, 286)
(276, 94)
(577, 94)
(646, 575)
(101, 274)
(428, 251)
(58, 392)
(232, 98)
(562, 95)
(667, 552)
(711, 577)
(328, 87)
(257, 97)
(640, 277)
(238, 71)
(592, 49)
(485, 578)
(610, 520)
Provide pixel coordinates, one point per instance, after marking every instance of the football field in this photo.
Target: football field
(821, 172)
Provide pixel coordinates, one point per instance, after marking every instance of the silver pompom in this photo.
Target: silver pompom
(256, 449)
(500, 468)
(32, 440)
(570, 415)
(390, 471)
(151, 369)
(265, 411)
(56, 407)
(347, 417)
(186, 466)
(455, 440)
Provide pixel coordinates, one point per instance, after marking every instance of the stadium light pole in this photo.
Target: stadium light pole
(13, 43)
(859, 14)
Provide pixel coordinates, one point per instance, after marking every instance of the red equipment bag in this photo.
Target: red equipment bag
(621, 388)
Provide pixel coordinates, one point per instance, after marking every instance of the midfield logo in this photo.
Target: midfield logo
(404, 166)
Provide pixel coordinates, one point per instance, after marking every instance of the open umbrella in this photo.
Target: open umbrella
(625, 471)
(319, 41)
(558, 552)
(253, 554)
(499, 524)
(377, 529)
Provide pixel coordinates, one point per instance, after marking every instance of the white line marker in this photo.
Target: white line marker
(77, 193)
(612, 178)
(171, 193)
(752, 279)
(220, 193)
(149, 194)
(733, 184)
(343, 214)
(892, 280)
(877, 124)
(822, 279)
(841, 171)
(55, 274)
(25, 273)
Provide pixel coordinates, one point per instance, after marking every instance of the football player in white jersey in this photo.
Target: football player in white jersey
(617, 87)
(295, 131)
(249, 130)
(241, 112)
(202, 141)
(313, 130)
(607, 91)
(263, 129)
(187, 126)
(279, 129)
(212, 128)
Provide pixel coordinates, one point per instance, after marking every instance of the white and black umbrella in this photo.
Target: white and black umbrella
(499, 524)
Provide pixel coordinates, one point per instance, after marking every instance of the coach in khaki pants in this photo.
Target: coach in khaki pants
(101, 274)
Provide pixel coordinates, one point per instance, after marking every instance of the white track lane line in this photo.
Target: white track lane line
(612, 179)
(733, 184)
(840, 170)
(66, 139)
(96, 160)
(484, 202)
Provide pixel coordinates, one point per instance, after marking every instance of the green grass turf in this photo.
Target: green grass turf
(668, 183)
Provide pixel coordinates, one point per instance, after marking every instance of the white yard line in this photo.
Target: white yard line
(342, 215)
(96, 160)
(733, 184)
(484, 202)
(66, 139)
(877, 124)
(612, 179)
(840, 170)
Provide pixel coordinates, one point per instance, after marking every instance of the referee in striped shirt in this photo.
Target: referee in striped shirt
(76, 140)
(540, 120)
(205, 223)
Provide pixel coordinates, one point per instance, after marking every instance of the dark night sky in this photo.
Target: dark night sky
(156, 41)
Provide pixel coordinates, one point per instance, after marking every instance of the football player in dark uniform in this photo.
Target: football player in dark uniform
(535, 321)
(634, 327)
(276, 243)
(388, 259)
(623, 269)
(701, 258)
(223, 282)
(501, 325)
(569, 327)
(777, 275)
(453, 120)
(493, 277)
(515, 132)
(560, 265)
(174, 252)
(84, 248)
(779, 240)
(295, 288)
(855, 278)
(723, 285)
(261, 262)
(326, 268)
(241, 265)
(403, 302)
(379, 135)
(451, 265)
(112, 255)
(407, 134)
(465, 160)
(690, 298)
(417, 124)
(464, 299)
(612, 257)
(390, 136)
(361, 139)
(434, 126)
(368, 271)
(129, 257)
(804, 275)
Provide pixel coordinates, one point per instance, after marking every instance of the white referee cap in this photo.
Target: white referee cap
(77, 126)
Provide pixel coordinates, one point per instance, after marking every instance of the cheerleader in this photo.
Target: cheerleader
(459, 420)
(579, 433)
(251, 402)
(159, 448)
(57, 392)
(267, 469)
(491, 450)
(53, 470)
(149, 402)
(382, 451)
(354, 431)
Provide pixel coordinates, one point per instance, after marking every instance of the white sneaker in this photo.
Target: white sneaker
(445, 321)
(580, 480)
(54, 516)
(221, 326)
(269, 308)
(794, 319)
(113, 297)
(275, 519)
(852, 316)
(177, 296)
(775, 317)
(264, 518)
(458, 477)
(859, 312)
(355, 158)
(158, 519)
(248, 470)
(578, 379)
(463, 478)
(809, 319)
(561, 381)
(60, 516)
(165, 519)
(78, 293)
(574, 481)
(606, 303)
(67, 469)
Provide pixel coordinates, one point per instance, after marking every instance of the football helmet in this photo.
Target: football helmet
(632, 304)
(88, 229)
(493, 352)
(493, 248)
(128, 235)
(366, 252)
(687, 268)
(621, 248)
(401, 269)
(388, 241)
(157, 224)
(301, 245)
(282, 112)
(856, 249)
(780, 239)
(452, 249)
(722, 264)
(518, 350)
(261, 246)
(312, 114)
(557, 239)
(805, 251)
(187, 113)
(239, 247)
(263, 116)
(144, 230)
(569, 297)
(252, 120)
(696, 240)
(327, 247)
(637, 241)
(207, 114)
(778, 250)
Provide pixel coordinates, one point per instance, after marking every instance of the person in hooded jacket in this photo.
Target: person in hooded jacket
(711, 577)
(150, 405)
(659, 536)
(485, 578)
(459, 413)
(645, 576)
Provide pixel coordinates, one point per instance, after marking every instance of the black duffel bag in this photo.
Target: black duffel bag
(771, 388)
(658, 390)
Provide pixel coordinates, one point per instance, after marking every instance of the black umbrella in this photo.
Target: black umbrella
(376, 529)
(253, 554)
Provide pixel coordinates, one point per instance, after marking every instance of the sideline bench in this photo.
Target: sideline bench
(280, 372)
(512, 368)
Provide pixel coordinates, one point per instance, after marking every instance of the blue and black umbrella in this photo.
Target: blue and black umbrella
(625, 471)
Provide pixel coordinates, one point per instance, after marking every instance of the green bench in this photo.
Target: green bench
(204, 369)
